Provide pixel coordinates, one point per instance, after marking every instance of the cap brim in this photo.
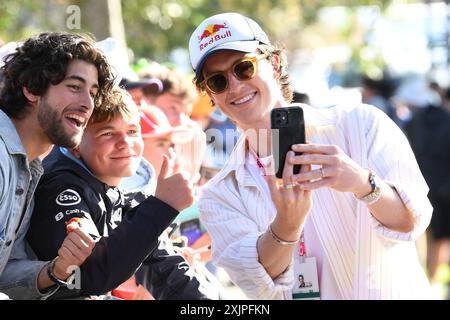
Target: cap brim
(128, 85)
(241, 46)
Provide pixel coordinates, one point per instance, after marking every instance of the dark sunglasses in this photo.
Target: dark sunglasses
(243, 69)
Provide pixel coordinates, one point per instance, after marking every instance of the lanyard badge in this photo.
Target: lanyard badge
(306, 281)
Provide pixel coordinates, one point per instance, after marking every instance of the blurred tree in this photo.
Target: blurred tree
(18, 19)
(103, 18)
(155, 27)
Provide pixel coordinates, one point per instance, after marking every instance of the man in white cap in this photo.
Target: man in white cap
(356, 241)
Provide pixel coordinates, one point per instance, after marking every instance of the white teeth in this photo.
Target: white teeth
(244, 99)
(79, 119)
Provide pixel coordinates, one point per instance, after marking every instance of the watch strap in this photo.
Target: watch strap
(53, 278)
(375, 193)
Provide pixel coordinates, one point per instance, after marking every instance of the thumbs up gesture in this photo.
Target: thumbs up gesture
(174, 189)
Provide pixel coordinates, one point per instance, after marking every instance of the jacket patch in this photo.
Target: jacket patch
(69, 212)
(68, 197)
(59, 216)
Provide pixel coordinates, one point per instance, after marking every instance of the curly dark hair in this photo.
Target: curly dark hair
(284, 80)
(43, 60)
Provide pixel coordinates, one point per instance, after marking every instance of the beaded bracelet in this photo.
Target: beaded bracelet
(280, 241)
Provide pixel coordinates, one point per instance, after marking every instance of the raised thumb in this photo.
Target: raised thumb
(164, 168)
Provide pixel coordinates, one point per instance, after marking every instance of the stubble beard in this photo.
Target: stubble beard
(52, 124)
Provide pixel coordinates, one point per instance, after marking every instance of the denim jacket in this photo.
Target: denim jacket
(18, 179)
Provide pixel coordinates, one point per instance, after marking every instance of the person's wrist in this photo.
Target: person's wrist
(284, 231)
(375, 190)
(364, 188)
(53, 277)
(58, 270)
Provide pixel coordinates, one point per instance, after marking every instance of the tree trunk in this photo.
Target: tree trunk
(104, 19)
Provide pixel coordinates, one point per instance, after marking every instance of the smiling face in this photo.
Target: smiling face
(249, 102)
(113, 149)
(65, 108)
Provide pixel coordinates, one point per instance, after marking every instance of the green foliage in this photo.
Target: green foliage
(17, 23)
(155, 27)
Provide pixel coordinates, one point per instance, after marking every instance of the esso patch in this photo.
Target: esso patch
(68, 197)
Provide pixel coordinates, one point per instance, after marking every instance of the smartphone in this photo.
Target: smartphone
(191, 229)
(288, 128)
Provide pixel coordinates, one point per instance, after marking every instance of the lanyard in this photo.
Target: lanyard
(302, 246)
(261, 166)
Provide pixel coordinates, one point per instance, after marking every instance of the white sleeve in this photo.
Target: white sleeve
(234, 236)
(391, 157)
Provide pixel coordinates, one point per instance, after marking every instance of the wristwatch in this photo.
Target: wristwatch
(375, 194)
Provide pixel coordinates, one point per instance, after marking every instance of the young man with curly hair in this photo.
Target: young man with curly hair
(51, 83)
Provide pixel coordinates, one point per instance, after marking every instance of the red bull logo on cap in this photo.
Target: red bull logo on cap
(211, 32)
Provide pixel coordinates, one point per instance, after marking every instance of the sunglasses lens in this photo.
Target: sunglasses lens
(244, 70)
(217, 83)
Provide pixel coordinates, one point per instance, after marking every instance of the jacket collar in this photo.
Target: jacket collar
(10, 136)
(69, 155)
(60, 160)
(314, 118)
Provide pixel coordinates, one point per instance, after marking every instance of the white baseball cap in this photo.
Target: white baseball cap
(225, 31)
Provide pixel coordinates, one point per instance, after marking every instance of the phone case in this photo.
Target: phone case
(288, 128)
(191, 229)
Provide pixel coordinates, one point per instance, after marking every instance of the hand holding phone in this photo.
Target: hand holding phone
(288, 128)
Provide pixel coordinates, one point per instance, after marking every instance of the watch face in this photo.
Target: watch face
(377, 183)
(376, 191)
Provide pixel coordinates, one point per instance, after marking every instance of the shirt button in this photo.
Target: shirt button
(19, 191)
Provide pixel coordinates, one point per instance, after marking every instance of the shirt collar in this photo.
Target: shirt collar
(69, 155)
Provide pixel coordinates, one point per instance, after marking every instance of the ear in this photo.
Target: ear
(211, 103)
(30, 97)
(211, 98)
(75, 152)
